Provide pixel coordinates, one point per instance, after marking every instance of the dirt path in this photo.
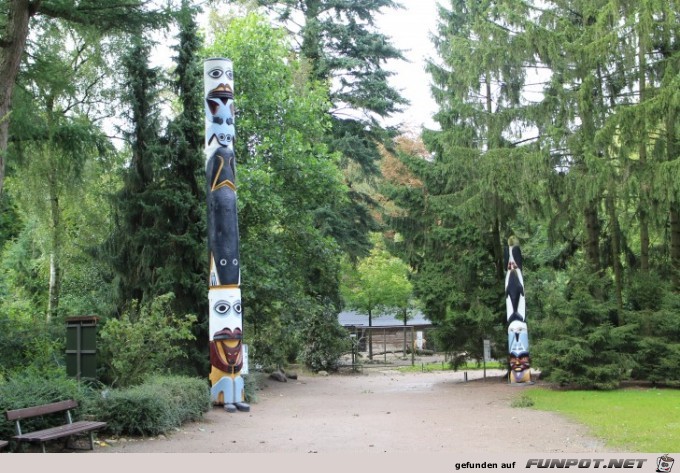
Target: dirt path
(378, 411)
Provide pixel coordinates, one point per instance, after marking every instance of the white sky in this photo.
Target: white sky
(410, 29)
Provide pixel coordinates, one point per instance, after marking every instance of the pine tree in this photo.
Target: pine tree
(133, 247)
(345, 51)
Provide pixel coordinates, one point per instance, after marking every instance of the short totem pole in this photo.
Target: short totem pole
(518, 338)
(224, 291)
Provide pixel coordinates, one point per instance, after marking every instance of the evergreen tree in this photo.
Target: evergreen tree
(343, 48)
(134, 246)
(180, 191)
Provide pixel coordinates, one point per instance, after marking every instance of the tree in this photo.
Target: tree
(54, 136)
(133, 248)
(286, 174)
(144, 340)
(179, 187)
(17, 22)
(378, 285)
(343, 49)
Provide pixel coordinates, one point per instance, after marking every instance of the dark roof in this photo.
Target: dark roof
(352, 318)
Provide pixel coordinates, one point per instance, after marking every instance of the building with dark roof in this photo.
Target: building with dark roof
(388, 332)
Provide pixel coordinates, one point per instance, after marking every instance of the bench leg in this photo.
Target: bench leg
(17, 446)
(91, 440)
(42, 444)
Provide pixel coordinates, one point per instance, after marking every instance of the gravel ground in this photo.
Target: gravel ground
(379, 410)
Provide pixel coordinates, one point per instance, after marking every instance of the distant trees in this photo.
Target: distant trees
(554, 126)
(377, 285)
(341, 48)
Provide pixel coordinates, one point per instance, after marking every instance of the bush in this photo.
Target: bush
(522, 401)
(155, 407)
(253, 382)
(274, 344)
(658, 351)
(325, 340)
(32, 388)
(26, 343)
(577, 342)
(144, 340)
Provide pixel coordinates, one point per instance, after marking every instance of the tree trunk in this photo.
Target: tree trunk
(615, 247)
(671, 154)
(675, 245)
(12, 44)
(55, 255)
(592, 236)
(644, 186)
(405, 322)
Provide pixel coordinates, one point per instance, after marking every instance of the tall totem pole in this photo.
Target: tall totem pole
(518, 338)
(224, 286)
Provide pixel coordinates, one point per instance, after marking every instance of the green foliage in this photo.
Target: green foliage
(29, 345)
(155, 407)
(324, 340)
(10, 222)
(658, 337)
(578, 341)
(275, 344)
(144, 341)
(286, 177)
(462, 334)
(252, 383)
(341, 46)
(31, 387)
(522, 401)
(379, 283)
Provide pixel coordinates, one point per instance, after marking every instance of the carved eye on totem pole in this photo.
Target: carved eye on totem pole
(225, 308)
(217, 72)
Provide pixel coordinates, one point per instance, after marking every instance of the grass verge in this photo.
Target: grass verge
(636, 420)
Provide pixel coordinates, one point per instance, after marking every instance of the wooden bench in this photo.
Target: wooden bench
(66, 431)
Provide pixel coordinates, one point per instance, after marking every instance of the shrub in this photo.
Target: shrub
(27, 343)
(31, 388)
(325, 340)
(144, 340)
(522, 401)
(578, 342)
(155, 407)
(253, 382)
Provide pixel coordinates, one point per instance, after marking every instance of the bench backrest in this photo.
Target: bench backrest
(27, 412)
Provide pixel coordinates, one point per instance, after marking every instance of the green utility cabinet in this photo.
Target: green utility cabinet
(81, 347)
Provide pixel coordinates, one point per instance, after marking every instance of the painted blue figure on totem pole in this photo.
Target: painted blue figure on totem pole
(519, 360)
(224, 286)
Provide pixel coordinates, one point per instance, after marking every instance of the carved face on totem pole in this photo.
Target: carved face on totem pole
(226, 317)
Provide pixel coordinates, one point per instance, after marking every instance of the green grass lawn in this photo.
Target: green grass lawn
(637, 420)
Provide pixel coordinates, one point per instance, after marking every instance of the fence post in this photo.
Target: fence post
(385, 344)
